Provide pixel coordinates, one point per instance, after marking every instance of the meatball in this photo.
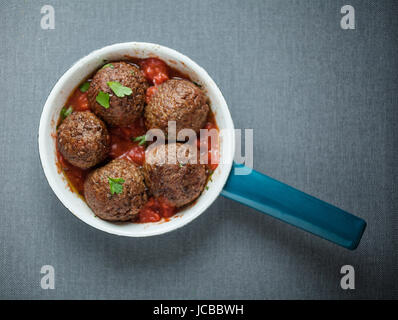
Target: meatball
(181, 181)
(83, 139)
(180, 101)
(121, 206)
(125, 110)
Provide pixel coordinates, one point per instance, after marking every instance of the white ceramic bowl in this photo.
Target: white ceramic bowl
(81, 70)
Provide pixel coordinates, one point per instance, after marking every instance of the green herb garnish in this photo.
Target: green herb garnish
(207, 188)
(116, 185)
(141, 139)
(119, 89)
(84, 87)
(197, 84)
(181, 164)
(103, 99)
(108, 65)
(66, 112)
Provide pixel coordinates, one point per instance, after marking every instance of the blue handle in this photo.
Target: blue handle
(295, 207)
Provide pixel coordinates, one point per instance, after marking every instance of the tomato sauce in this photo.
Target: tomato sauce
(75, 175)
(123, 144)
(149, 92)
(208, 144)
(78, 101)
(156, 209)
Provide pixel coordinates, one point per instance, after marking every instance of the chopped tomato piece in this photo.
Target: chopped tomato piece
(155, 70)
(155, 209)
(148, 215)
(160, 78)
(167, 208)
(149, 92)
(137, 154)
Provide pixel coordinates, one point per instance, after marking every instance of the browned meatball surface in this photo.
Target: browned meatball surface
(181, 182)
(125, 110)
(83, 139)
(180, 101)
(116, 207)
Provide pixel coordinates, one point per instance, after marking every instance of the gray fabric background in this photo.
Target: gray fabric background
(323, 105)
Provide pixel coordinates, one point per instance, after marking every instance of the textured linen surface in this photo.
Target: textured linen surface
(323, 105)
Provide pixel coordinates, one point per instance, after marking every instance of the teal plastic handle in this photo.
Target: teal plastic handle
(295, 207)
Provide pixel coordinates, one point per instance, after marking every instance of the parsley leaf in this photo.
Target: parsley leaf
(197, 84)
(84, 87)
(118, 89)
(108, 65)
(116, 185)
(103, 99)
(66, 112)
(141, 139)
